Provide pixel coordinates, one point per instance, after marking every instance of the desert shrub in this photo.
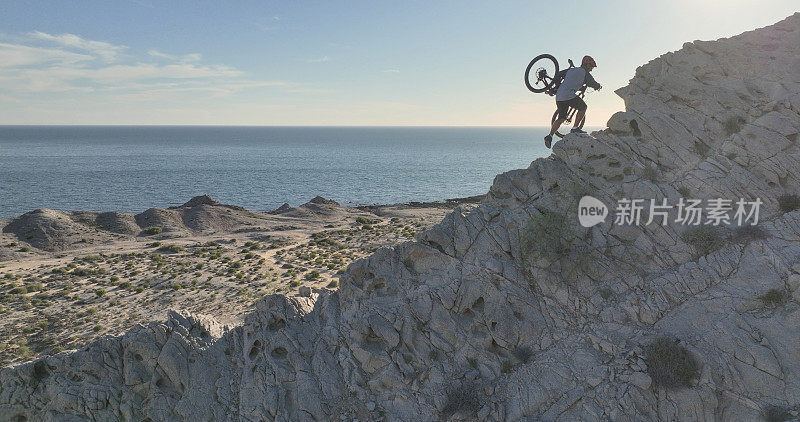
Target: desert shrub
(333, 284)
(100, 292)
(19, 290)
(669, 364)
(772, 413)
(523, 353)
(748, 233)
(171, 248)
(24, 249)
(650, 174)
(506, 367)
(547, 234)
(312, 275)
(294, 284)
(773, 297)
(789, 203)
(152, 230)
(463, 400)
(701, 149)
(34, 286)
(97, 328)
(733, 125)
(704, 239)
(365, 220)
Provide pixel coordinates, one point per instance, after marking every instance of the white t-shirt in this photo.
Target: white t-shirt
(573, 81)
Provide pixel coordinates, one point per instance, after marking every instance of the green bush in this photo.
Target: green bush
(548, 234)
(748, 233)
(704, 239)
(365, 220)
(733, 125)
(701, 149)
(650, 173)
(523, 353)
(772, 413)
(463, 400)
(773, 297)
(789, 203)
(152, 230)
(171, 248)
(312, 275)
(669, 364)
(100, 292)
(18, 290)
(684, 191)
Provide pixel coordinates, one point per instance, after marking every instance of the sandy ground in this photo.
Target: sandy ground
(105, 283)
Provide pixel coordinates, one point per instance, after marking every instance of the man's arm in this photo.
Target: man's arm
(589, 80)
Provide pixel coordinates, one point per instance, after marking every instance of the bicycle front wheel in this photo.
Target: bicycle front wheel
(540, 73)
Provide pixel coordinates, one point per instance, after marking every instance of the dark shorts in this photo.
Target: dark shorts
(576, 103)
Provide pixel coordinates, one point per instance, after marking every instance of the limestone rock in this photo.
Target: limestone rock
(477, 320)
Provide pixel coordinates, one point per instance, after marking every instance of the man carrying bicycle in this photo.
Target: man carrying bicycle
(566, 96)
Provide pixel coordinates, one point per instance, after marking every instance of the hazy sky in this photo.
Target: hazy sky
(332, 62)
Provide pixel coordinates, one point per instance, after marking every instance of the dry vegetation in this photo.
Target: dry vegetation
(53, 302)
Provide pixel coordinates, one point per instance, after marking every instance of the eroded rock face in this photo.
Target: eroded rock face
(471, 322)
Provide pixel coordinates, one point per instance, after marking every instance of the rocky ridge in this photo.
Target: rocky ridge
(477, 320)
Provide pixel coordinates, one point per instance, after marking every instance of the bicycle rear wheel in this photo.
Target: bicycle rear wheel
(558, 132)
(540, 73)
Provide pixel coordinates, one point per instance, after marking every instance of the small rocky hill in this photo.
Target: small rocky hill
(50, 230)
(513, 311)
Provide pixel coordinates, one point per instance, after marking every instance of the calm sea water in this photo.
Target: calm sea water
(260, 168)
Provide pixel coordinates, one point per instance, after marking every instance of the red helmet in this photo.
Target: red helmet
(588, 60)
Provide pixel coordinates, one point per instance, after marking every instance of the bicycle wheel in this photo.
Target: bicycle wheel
(541, 77)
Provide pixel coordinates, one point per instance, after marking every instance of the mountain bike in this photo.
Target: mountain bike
(546, 78)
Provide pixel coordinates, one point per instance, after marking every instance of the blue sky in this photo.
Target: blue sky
(330, 62)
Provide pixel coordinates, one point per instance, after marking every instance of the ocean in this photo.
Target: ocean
(132, 168)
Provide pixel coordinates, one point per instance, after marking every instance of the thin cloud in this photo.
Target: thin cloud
(107, 51)
(16, 55)
(391, 71)
(322, 59)
(193, 57)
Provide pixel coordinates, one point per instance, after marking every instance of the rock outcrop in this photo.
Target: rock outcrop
(483, 317)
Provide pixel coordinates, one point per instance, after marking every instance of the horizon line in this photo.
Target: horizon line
(283, 126)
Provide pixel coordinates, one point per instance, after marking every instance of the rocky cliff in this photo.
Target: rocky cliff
(513, 311)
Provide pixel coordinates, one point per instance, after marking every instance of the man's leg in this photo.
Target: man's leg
(579, 117)
(578, 104)
(557, 124)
